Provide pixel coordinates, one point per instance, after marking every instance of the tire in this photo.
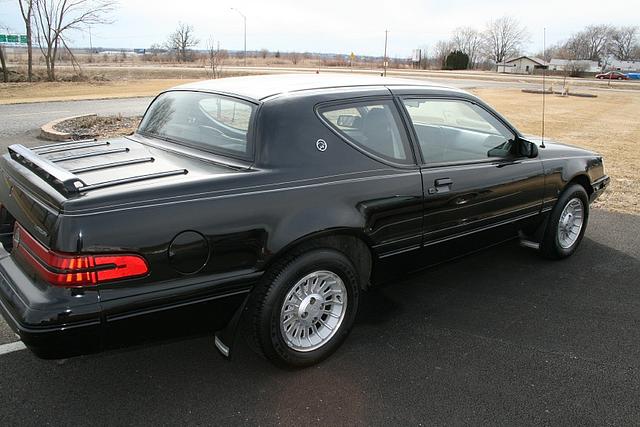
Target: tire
(571, 209)
(281, 331)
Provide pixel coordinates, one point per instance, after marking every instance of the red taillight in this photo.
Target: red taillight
(76, 270)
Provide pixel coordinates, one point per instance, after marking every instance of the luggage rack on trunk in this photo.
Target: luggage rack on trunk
(66, 181)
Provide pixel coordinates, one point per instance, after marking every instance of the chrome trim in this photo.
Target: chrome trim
(221, 347)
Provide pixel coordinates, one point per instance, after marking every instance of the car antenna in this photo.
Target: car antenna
(544, 73)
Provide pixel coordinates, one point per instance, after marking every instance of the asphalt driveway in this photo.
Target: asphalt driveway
(500, 337)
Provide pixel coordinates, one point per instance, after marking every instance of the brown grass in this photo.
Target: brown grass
(607, 124)
(14, 93)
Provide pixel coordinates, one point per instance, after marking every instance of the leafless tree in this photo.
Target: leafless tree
(3, 63)
(294, 57)
(215, 58)
(440, 51)
(56, 18)
(264, 53)
(503, 38)
(550, 52)
(181, 40)
(623, 42)
(469, 41)
(26, 9)
(592, 43)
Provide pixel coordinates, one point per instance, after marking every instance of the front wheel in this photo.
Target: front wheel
(566, 224)
(305, 307)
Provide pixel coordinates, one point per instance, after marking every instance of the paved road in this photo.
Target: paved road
(21, 122)
(501, 337)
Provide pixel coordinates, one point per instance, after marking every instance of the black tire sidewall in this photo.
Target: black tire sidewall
(551, 244)
(270, 337)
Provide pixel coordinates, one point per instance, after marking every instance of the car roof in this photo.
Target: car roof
(266, 86)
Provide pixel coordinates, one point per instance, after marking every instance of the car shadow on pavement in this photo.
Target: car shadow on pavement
(502, 336)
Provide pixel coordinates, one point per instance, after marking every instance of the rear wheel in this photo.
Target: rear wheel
(305, 307)
(567, 223)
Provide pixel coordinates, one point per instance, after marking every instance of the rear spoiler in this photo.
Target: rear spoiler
(49, 171)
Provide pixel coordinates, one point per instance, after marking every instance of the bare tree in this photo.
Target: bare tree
(503, 38)
(550, 52)
(215, 57)
(3, 63)
(181, 40)
(440, 51)
(592, 43)
(264, 53)
(469, 41)
(55, 18)
(295, 57)
(26, 9)
(623, 42)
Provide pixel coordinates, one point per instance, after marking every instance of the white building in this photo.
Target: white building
(521, 65)
(579, 64)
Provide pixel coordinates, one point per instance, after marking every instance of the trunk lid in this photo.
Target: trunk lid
(41, 183)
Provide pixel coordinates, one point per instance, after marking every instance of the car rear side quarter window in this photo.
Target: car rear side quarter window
(208, 121)
(457, 131)
(373, 126)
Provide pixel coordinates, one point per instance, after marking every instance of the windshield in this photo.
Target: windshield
(203, 120)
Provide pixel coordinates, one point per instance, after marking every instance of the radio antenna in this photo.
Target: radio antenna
(544, 87)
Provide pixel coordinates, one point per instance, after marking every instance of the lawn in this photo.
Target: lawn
(608, 124)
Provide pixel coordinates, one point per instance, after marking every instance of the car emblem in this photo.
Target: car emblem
(321, 145)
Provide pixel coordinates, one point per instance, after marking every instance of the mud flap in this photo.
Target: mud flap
(225, 339)
(532, 241)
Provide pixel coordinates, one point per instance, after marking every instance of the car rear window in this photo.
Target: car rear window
(211, 122)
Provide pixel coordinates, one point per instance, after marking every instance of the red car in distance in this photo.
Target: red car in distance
(612, 75)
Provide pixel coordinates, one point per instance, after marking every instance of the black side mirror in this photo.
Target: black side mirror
(527, 148)
(532, 150)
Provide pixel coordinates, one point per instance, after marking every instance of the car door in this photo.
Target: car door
(473, 176)
(391, 199)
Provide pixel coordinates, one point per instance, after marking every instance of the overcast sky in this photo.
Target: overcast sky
(338, 26)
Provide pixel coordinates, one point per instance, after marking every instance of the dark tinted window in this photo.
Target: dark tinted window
(457, 131)
(208, 121)
(375, 126)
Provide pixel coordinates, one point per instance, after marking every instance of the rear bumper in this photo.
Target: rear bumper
(598, 187)
(58, 323)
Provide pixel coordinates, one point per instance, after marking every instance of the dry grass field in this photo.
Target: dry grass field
(15, 93)
(608, 124)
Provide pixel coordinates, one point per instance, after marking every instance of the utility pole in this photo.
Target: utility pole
(384, 60)
(245, 34)
(90, 46)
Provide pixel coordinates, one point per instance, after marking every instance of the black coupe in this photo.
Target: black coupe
(273, 202)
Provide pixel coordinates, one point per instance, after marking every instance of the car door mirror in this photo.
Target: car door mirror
(527, 148)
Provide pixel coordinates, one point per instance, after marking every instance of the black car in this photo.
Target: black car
(270, 202)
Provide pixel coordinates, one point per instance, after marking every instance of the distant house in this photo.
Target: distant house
(570, 64)
(624, 66)
(521, 65)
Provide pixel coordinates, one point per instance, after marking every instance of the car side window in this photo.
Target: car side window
(374, 126)
(457, 131)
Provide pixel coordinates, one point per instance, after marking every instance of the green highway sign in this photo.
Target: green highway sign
(15, 39)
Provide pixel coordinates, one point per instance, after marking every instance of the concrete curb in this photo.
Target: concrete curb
(47, 131)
